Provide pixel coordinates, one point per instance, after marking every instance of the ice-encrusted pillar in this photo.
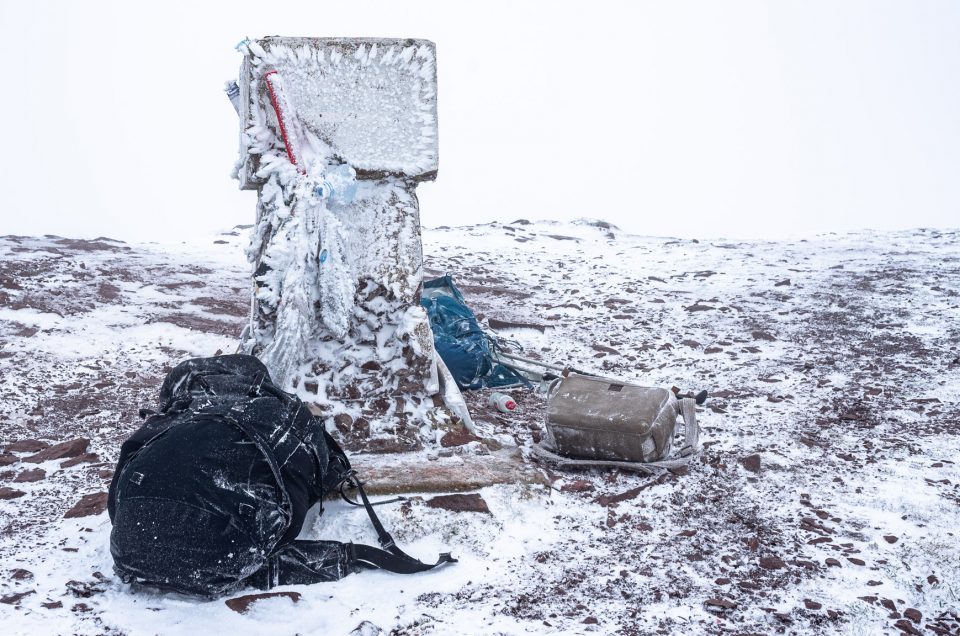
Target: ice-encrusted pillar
(336, 133)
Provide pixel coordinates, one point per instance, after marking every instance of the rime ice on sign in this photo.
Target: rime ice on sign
(335, 135)
(373, 101)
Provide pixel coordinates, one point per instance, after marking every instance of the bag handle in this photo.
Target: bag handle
(691, 430)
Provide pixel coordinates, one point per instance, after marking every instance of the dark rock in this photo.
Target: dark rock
(13, 599)
(29, 476)
(612, 500)
(86, 589)
(771, 562)
(721, 603)
(86, 458)
(472, 502)
(811, 605)
(580, 485)
(52, 605)
(26, 446)
(913, 614)
(311, 386)
(366, 628)
(713, 350)
(10, 493)
(868, 599)
(458, 437)
(856, 561)
(590, 620)
(604, 349)
(783, 283)
(762, 335)
(907, 628)
(343, 422)
(20, 574)
(889, 538)
(697, 306)
(361, 427)
(71, 448)
(241, 604)
(88, 505)
(693, 344)
(832, 562)
(751, 463)
(371, 365)
(7, 459)
(890, 605)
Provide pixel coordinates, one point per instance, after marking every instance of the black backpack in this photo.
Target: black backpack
(211, 492)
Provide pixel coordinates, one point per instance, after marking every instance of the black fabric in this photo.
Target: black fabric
(211, 492)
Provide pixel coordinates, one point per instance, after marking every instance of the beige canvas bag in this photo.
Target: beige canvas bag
(592, 419)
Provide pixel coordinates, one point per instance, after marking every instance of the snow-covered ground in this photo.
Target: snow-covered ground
(826, 499)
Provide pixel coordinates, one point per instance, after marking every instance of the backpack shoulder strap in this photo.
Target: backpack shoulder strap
(338, 466)
(304, 562)
(389, 557)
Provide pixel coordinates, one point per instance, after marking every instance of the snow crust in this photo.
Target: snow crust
(832, 360)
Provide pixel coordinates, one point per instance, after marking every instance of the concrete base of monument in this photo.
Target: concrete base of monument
(429, 472)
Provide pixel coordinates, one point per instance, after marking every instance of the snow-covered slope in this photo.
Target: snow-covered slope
(826, 499)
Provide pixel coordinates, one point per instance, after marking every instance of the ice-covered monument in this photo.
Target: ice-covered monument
(335, 135)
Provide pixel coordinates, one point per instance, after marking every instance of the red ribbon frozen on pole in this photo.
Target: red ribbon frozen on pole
(286, 118)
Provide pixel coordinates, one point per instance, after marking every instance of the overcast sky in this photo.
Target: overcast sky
(695, 119)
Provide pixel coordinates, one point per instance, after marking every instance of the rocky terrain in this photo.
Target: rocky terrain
(826, 498)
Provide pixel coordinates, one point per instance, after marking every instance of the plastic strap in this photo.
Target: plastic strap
(390, 557)
(371, 557)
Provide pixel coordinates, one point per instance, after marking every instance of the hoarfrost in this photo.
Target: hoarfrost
(336, 135)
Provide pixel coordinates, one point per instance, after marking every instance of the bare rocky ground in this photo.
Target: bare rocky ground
(826, 499)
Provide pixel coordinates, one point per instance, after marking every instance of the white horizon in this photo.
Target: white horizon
(687, 119)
